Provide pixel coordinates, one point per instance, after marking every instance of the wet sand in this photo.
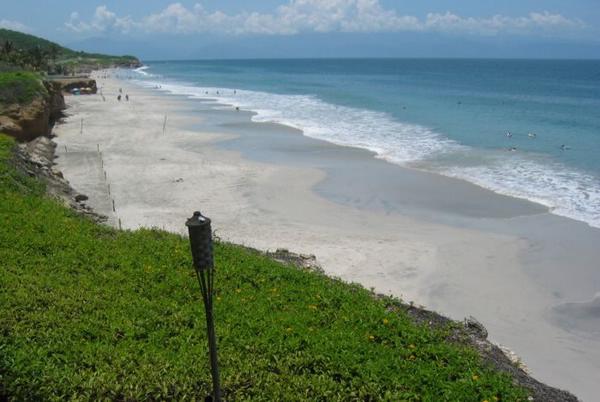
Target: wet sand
(440, 242)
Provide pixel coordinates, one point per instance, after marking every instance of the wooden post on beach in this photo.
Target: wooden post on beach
(98, 147)
(113, 201)
(165, 125)
(81, 128)
(105, 175)
(66, 149)
(119, 223)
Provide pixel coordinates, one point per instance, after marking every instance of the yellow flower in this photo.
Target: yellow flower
(371, 337)
(411, 346)
(475, 377)
(238, 290)
(289, 329)
(412, 357)
(218, 298)
(386, 321)
(312, 307)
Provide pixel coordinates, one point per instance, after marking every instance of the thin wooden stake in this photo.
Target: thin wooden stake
(113, 205)
(119, 223)
(81, 128)
(165, 125)
(98, 146)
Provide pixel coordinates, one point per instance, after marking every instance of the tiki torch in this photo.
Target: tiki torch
(202, 254)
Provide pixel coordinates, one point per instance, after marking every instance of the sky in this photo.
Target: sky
(163, 29)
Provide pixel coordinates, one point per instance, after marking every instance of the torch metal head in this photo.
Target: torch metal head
(201, 241)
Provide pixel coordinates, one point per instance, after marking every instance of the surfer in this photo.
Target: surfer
(531, 135)
(508, 134)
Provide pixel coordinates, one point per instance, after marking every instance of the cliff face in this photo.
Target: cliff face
(35, 119)
(68, 84)
(56, 99)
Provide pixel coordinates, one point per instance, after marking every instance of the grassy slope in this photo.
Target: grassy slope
(20, 87)
(25, 41)
(90, 312)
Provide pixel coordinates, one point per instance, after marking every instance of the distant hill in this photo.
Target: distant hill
(23, 44)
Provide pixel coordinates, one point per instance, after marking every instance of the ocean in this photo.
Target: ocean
(524, 128)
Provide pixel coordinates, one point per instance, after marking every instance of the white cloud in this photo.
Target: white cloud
(300, 16)
(103, 20)
(544, 22)
(14, 25)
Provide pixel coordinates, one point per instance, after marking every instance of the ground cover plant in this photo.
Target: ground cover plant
(20, 87)
(88, 312)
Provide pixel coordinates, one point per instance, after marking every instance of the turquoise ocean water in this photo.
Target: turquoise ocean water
(447, 116)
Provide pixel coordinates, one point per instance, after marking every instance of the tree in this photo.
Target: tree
(36, 57)
(53, 52)
(7, 48)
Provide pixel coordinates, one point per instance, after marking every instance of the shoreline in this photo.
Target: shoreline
(493, 180)
(429, 262)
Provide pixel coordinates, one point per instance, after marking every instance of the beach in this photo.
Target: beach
(529, 276)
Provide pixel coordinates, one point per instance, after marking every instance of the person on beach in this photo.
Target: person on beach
(127, 97)
(119, 98)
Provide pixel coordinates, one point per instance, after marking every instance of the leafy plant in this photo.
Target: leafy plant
(20, 87)
(88, 312)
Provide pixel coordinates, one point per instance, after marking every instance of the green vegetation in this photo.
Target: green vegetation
(31, 52)
(88, 312)
(20, 87)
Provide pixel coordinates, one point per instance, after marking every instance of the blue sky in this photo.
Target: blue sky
(304, 28)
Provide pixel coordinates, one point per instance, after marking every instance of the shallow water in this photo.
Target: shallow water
(445, 116)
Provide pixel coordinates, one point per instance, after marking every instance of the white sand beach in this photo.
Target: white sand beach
(504, 271)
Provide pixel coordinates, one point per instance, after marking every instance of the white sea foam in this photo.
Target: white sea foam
(142, 70)
(566, 191)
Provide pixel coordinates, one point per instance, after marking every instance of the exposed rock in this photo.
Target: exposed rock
(56, 101)
(36, 159)
(305, 261)
(35, 119)
(8, 125)
(474, 334)
(68, 84)
(475, 325)
(28, 121)
(81, 197)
